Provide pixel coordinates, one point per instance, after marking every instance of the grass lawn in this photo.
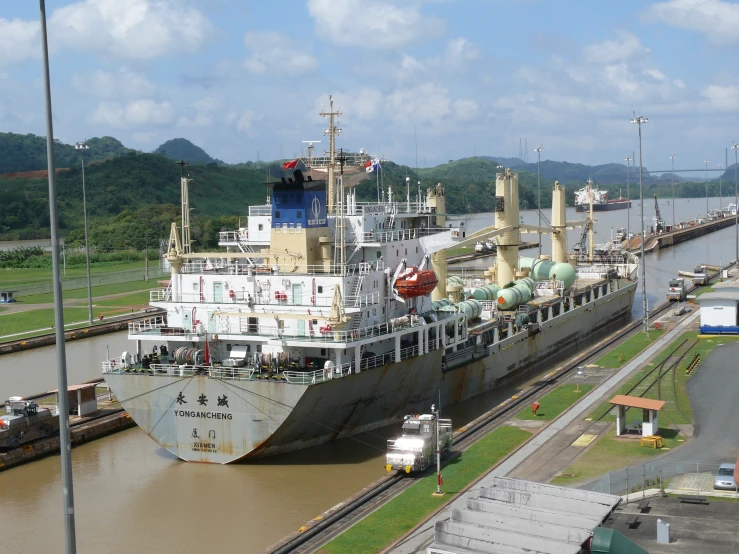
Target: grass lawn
(135, 299)
(459, 251)
(611, 453)
(31, 320)
(703, 290)
(406, 510)
(625, 351)
(556, 402)
(102, 290)
(10, 277)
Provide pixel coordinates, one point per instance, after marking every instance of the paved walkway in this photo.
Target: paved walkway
(536, 446)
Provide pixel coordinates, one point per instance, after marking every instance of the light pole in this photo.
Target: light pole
(628, 196)
(146, 257)
(736, 202)
(538, 188)
(720, 192)
(639, 120)
(706, 162)
(672, 159)
(65, 446)
(81, 146)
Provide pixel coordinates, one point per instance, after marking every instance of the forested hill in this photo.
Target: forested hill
(119, 187)
(28, 152)
(182, 149)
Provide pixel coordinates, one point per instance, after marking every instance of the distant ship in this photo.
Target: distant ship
(601, 202)
(326, 317)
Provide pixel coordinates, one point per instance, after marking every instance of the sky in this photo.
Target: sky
(245, 80)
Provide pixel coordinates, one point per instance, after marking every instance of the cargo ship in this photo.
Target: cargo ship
(599, 199)
(326, 317)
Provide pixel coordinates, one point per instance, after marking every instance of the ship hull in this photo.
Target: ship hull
(603, 207)
(268, 418)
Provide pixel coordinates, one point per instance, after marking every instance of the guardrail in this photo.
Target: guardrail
(174, 370)
(241, 297)
(264, 209)
(224, 267)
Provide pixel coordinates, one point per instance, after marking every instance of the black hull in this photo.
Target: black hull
(603, 207)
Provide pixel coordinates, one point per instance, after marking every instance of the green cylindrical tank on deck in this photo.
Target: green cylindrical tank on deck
(519, 293)
(470, 308)
(545, 270)
(436, 305)
(455, 280)
(522, 319)
(487, 293)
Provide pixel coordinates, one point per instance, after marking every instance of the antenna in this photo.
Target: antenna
(520, 150)
(415, 136)
(310, 144)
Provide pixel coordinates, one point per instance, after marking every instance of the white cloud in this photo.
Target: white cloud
(624, 47)
(722, 98)
(133, 114)
(465, 110)
(272, 51)
(423, 103)
(19, 40)
(122, 84)
(134, 29)
(458, 55)
(716, 19)
(383, 23)
(244, 122)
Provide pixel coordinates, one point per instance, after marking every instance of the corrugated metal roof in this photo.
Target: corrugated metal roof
(519, 516)
(72, 388)
(637, 402)
(728, 293)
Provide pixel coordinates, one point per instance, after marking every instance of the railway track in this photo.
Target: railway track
(334, 522)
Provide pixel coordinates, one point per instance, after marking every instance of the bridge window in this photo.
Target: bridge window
(300, 213)
(277, 214)
(320, 289)
(261, 227)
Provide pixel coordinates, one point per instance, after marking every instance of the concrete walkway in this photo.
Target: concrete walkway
(418, 541)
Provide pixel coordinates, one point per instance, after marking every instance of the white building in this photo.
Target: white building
(719, 312)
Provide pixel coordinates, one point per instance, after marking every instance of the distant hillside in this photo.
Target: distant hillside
(182, 149)
(28, 152)
(122, 186)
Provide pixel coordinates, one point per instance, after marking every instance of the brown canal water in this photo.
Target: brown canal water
(133, 496)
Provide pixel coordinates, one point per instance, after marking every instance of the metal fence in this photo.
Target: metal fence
(680, 477)
(97, 280)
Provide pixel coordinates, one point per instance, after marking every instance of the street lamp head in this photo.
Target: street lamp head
(628, 159)
(539, 149)
(640, 120)
(735, 146)
(672, 157)
(81, 146)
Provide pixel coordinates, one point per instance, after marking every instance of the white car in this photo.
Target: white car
(725, 478)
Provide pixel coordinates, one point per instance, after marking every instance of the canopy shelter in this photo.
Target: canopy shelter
(82, 399)
(649, 407)
(6, 296)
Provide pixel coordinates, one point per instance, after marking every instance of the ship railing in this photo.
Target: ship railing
(220, 266)
(327, 334)
(233, 236)
(147, 325)
(409, 352)
(393, 207)
(176, 370)
(396, 235)
(264, 209)
(241, 297)
(160, 295)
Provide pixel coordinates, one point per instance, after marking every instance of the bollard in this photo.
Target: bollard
(663, 532)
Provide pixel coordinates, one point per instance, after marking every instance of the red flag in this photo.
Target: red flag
(290, 165)
(441, 479)
(368, 164)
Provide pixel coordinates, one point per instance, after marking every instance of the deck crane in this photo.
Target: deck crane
(659, 223)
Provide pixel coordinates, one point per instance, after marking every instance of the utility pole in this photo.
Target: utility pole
(672, 159)
(65, 446)
(538, 151)
(437, 413)
(639, 120)
(735, 146)
(706, 162)
(81, 146)
(720, 191)
(628, 196)
(146, 257)
(64, 256)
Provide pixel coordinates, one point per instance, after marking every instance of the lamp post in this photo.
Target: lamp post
(538, 188)
(639, 120)
(81, 146)
(628, 196)
(65, 446)
(672, 159)
(720, 191)
(706, 162)
(735, 147)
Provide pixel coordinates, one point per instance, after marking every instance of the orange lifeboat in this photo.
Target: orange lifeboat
(414, 282)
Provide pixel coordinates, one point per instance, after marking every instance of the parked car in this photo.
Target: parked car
(725, 479)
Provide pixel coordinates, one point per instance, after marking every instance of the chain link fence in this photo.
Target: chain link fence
(680, 477)
(97, 280)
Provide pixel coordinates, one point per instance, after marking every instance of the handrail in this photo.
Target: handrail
(218, 266)
(242, 297)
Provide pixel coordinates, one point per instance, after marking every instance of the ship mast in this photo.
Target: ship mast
(184, 192)
(332, 131)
